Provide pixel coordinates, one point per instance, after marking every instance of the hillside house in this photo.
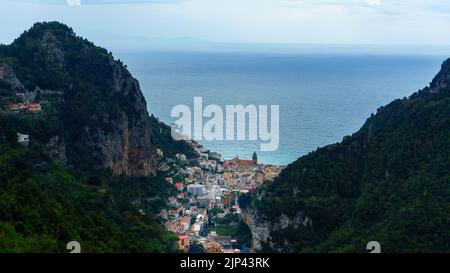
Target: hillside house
(23, 139)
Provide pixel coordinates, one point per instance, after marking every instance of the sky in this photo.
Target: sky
(141, 23)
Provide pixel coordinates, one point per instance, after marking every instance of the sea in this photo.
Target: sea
(322, 97)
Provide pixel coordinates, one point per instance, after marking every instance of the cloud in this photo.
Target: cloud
(374, 2)
(94, 2)
(109, 2)
(74, 2)
(268, 21)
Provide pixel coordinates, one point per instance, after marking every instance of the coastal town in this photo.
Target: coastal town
(208, 190)
(205, 212)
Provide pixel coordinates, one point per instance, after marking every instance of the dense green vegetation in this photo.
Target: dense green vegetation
(389, 182)
(43, 206)
(231, 225)
(6, 95)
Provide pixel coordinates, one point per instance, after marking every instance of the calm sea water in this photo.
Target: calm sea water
(322, 98)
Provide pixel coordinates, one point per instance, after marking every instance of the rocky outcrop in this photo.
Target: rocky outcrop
(442, 79)
(262, 228)
(56, 149)
(53, 51)
(8, 76)
(259, 228)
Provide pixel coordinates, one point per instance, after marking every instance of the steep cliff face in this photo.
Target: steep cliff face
(102, 114)
(388, 182)
(259, 228)
(123, 141)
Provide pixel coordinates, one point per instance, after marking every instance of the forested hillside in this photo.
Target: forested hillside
(389, 182)
(43, 206)
(87, 171)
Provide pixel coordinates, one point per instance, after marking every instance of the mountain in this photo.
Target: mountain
(88, 171)
(102, 118)
(389, 182)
